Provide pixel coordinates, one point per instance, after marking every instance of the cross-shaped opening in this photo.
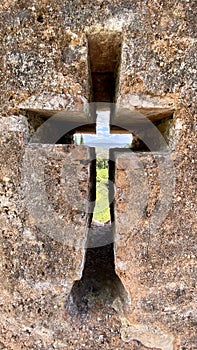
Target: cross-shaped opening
(104, 61)
(103, 141)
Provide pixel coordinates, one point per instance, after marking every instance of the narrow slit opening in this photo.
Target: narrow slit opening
(99, 286)
(104, 50)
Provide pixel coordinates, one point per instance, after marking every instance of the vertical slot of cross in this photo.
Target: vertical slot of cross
(104, 50)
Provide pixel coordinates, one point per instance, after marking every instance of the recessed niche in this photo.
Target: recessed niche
(104, 52)
(99, 286)
(56, 127)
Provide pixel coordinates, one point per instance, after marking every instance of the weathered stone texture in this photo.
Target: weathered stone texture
(44, 65)
(44, 48)
(44, 227)
(155, 248)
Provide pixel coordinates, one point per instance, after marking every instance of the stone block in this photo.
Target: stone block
(153, 252)
(45, 212)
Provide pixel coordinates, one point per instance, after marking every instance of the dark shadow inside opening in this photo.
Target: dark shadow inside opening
(104, 61)
(99, 285)
(47, 133)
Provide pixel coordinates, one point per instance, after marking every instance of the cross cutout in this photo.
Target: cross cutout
(104, 141)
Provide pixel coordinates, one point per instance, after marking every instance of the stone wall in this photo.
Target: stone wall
(45, 66)
(155, 250)
(45, 214)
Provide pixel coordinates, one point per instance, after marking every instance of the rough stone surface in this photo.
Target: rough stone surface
(155, 249)
(44, 65)
(44, 227)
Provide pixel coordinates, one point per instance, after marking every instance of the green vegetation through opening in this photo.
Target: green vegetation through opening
(102, 211)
